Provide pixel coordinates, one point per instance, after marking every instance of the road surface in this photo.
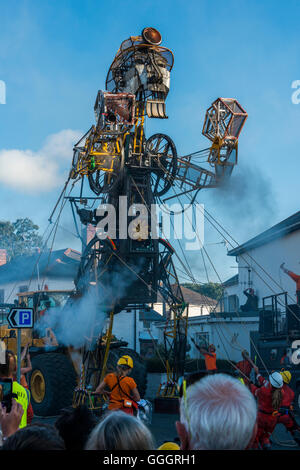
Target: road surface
(163, 429)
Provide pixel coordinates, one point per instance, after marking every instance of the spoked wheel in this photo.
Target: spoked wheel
(93, 269)
(162, 151)
(101, 181)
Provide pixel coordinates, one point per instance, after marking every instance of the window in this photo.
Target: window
(224, 303)
(233, 303)
(229, 303)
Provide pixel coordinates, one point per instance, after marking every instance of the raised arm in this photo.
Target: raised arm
(28, 368)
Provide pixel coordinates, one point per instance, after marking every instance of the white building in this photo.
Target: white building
(230, 333)
(259, 261)
(198, 304)
(56, 270)
(136, 326)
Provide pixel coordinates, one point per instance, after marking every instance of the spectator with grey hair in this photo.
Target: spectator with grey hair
(120, 431)
(217, 413)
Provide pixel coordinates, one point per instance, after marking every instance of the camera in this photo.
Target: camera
(6, 393)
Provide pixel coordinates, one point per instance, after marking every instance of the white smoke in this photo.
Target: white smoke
(81, 321)
(76, 324)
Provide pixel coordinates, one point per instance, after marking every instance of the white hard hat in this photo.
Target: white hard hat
(276, 380)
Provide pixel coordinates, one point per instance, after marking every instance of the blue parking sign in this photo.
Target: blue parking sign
(25, 317)
(20, 317)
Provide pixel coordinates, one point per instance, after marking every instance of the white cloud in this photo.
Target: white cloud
(61, 144)
(41, 171)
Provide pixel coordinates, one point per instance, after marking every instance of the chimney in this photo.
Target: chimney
(3, 258)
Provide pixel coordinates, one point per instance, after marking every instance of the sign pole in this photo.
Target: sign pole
(19, 318)
(19, 333)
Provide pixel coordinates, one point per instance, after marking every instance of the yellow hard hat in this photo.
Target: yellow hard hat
(169, 446)
(286, 375)
(125, 361)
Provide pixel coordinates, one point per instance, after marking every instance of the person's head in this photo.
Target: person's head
(286, 376)
(125, 365)
(217, 413)
(212, 348)
(276, 381)
(74, 426)
(9, 367)
(120, 431)
(35, 437)
(251, 291)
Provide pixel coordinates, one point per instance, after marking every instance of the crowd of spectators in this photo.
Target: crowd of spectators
(216, 412)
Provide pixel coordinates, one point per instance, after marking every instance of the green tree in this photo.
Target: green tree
(213, 290)
(19, 237)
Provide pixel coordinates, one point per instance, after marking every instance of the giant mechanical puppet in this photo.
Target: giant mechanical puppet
(117, 159)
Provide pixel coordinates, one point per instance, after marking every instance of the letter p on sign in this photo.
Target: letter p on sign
(25, 318)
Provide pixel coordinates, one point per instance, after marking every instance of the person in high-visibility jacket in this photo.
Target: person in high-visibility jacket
(269, 396)
(286, 416)
(23, 380)
(20, 393)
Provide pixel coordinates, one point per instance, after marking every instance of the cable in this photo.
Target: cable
(252, 342)
(215, 272)
(247, 254)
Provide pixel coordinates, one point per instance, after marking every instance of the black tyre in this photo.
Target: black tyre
(139, 372)
(52, 383)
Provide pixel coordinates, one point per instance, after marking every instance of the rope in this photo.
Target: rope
(213, 268)
(111, 319)
(156, 349)
(54, 231)
(251, 257)
(253, 344)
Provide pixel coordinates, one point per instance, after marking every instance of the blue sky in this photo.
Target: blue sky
(54, 56)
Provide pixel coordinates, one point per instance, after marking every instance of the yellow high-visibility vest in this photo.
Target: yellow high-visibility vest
(23, 398)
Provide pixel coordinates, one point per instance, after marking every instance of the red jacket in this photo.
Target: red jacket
(264, 395)
(295, 278)
(245, 367)
(288, 395)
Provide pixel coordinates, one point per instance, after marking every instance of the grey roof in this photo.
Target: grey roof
(59, 263)
(286, 226)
